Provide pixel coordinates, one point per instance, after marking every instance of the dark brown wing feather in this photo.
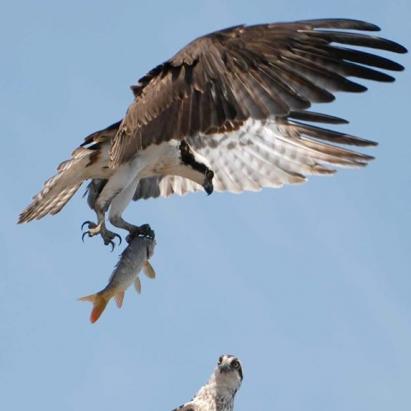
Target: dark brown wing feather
(220, 80)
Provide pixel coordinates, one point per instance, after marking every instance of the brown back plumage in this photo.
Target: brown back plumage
(219, 80)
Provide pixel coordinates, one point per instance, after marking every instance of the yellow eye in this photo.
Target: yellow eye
(235, 364)
(220, 360)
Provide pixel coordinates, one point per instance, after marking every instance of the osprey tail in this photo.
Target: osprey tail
(90, 160)
(58, 189)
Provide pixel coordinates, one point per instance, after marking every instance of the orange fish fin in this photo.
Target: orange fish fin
(149, 270)
(99, 304)
(137, 285)
(119, 297)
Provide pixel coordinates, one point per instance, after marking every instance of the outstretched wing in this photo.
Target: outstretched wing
(264, 153)
(219, 81)
(164, 186)
(274, 152)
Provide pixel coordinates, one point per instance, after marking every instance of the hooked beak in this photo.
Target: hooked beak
(208, 187)
(224, 368)
(208, 182)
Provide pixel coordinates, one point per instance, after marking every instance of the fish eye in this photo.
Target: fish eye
(235, 364)
(220, 360)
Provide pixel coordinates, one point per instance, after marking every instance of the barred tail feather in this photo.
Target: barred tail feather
(58, 189)
(47, 203)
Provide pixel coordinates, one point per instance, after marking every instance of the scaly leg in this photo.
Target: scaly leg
(117, 207)
(117, 183)
(100, 228)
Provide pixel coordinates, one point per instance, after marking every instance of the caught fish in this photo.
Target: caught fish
(133, 259)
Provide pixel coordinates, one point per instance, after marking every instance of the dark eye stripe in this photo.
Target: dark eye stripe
(236, 365)
(241, 373)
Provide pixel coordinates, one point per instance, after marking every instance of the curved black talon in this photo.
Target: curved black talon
(112, 243)
(107, 235)
(84, 234)
(146, 231)
(119, 239)
(143, 231)
(90, 224)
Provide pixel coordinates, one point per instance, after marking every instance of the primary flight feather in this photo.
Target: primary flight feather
(229, 112)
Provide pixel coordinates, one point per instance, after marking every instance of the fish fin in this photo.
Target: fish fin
(99, 304)
(119, 297)
(149, 270)
(137, 285)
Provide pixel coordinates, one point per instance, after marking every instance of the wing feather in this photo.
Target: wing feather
(264, 153)
(258, 72)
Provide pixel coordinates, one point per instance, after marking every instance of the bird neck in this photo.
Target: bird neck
(219, 392)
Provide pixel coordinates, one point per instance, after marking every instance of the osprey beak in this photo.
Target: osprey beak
(224, 368)
(208, 186)
(208, 182)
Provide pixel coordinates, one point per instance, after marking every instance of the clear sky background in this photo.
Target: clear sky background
(309, 285)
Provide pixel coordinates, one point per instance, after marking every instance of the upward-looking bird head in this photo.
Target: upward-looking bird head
(229, 372)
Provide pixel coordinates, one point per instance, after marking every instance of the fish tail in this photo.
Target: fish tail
(99, 302)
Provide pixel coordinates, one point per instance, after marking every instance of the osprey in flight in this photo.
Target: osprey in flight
(218, 394)
(229, 112)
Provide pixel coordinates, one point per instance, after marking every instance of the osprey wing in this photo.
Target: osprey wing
(164, 186)
(275, 152)
(264, 153)
(221, 80)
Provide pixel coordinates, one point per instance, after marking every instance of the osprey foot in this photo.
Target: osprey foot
(140, 231)
(95, 229)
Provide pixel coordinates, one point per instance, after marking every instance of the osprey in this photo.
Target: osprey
(229, 112)
(218, 394)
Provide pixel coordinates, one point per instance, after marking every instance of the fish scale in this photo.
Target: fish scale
(132, 260)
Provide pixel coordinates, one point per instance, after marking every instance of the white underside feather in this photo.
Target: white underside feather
(269, 153)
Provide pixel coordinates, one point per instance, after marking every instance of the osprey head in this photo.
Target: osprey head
(229, 372)
(199, 170)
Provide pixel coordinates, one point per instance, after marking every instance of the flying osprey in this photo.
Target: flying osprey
(227, 113)
(218, 394)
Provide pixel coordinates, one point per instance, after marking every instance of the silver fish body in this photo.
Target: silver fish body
(132, 260)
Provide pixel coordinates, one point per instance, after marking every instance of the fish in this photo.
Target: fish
(133, 259)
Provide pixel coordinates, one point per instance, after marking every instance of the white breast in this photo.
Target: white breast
(158, 159)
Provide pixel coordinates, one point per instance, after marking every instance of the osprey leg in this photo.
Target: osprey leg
(117, 207)
(117, 191)
(100, 228)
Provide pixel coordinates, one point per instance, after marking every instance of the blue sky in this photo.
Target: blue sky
(309, 285)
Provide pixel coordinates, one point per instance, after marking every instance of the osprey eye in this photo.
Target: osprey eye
(209, 174)
(220, 360)
(235, 364)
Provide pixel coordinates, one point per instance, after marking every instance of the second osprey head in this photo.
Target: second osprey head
(229, 371)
